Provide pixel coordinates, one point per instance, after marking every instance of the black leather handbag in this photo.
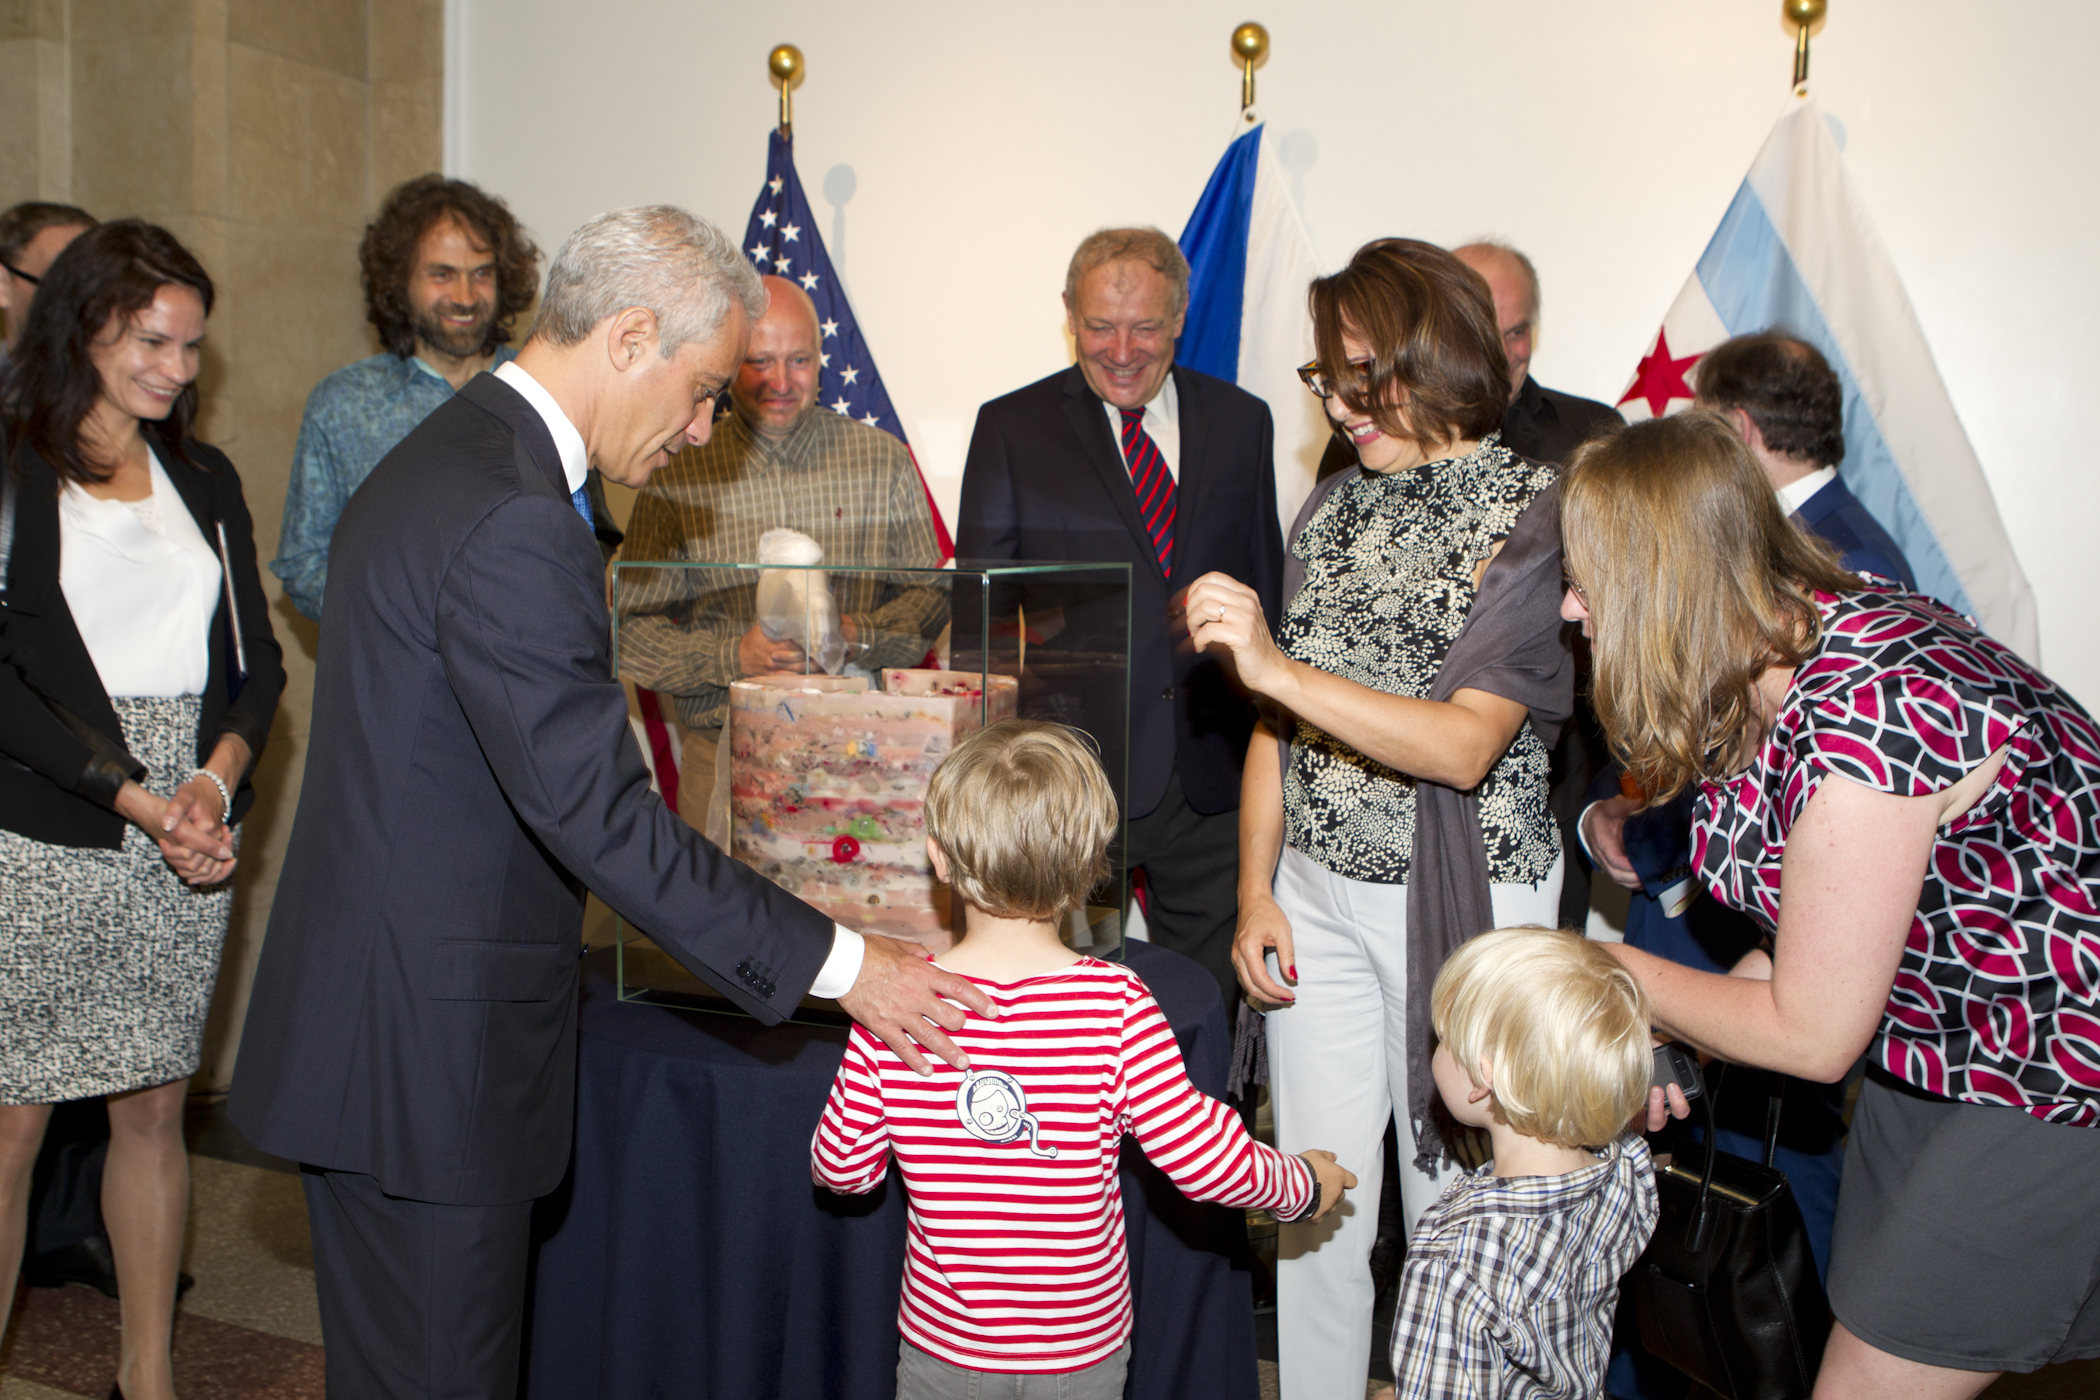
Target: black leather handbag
(1727, 1290)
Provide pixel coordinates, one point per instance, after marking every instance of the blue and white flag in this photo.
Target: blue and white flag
(782, 241)
(1250, 261)
(1797, 251)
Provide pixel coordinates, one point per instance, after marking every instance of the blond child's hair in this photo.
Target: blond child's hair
(1561, 1025)
(1024, 815)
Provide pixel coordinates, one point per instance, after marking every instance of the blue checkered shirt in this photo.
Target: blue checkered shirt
(354, 417)
(1509, 1285)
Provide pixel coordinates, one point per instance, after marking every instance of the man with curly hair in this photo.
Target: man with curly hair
(446, 271)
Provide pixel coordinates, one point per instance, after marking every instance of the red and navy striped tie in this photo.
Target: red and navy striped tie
(1154, 486)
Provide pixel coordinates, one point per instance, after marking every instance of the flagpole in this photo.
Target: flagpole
(1250, 45)
(786, 66)
(1804, 15)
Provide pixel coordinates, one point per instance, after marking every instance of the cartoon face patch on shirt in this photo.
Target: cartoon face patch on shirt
(992, 1107)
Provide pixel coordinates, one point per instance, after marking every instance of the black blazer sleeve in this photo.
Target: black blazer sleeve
(988, 523)
(523, 637)
(254, 707)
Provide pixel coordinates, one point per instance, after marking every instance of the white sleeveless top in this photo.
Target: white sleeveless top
(142, 583)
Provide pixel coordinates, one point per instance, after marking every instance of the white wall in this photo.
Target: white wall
(983, 140)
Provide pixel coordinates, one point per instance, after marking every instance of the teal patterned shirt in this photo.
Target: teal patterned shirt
(354, 417)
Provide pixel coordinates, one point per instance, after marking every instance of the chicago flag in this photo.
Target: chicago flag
(1797, 251)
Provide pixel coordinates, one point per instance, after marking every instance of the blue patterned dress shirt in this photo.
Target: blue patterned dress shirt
(354, 417)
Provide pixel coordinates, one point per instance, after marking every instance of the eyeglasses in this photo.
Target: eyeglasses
(1567, 581)
(1315, 378)
(34, 281)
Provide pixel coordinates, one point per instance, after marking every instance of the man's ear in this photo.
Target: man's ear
(1745, 428)
(939, 858)
(631, 336)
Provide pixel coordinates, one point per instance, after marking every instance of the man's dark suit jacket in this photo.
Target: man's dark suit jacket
(1045, 480)
(1836, 515)
(60, 771)
(414, 1012)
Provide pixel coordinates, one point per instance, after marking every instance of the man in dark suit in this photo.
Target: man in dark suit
(1788, 405)
(411, 1039)
(1127, 457)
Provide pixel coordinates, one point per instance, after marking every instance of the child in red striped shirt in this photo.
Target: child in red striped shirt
(1014, 1256)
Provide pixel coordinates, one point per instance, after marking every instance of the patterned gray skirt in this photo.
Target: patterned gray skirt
(107, 959)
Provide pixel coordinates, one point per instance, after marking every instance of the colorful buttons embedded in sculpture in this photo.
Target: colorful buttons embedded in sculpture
(845, 850)
(867, 828)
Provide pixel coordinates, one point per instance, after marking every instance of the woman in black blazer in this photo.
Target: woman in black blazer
(138, 679)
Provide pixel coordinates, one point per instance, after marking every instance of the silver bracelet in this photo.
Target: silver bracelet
(225, 797)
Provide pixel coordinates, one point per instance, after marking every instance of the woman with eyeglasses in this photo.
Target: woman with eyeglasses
(1395, 799)
(1913, 813)
(138, 678)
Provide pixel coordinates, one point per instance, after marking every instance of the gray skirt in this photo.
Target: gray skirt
(1967, 1235)
(107, 959)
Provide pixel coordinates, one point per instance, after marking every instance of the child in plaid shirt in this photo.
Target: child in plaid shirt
(1512, 1276)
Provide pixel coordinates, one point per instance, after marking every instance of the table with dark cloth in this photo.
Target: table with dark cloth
(689, 1254)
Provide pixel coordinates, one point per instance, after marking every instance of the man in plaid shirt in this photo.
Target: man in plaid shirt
(781, 460)
(1512, 1276)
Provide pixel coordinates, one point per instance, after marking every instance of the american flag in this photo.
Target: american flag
(782, 241)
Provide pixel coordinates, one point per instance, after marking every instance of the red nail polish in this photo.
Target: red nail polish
(1294, 972)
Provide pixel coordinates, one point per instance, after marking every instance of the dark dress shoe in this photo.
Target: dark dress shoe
(88, 1262)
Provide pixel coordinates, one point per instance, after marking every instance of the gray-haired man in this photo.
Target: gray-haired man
(412, 1034)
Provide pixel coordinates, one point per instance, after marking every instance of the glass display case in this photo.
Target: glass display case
(830, 693)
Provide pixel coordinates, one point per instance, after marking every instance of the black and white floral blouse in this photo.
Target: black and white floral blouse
(1389, 564)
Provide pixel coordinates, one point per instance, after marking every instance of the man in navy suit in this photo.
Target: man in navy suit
(1128, 457)
(412, 1036)
(1788, 406)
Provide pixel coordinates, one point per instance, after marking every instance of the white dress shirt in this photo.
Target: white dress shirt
(142, 584)
(842, 968)
(1162, 423)
(1795, 495)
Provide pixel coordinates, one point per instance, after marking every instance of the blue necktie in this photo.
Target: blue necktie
(578, 499)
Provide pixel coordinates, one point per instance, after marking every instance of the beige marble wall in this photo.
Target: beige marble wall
(264, 133)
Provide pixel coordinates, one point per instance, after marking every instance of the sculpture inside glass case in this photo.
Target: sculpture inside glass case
(828, 783)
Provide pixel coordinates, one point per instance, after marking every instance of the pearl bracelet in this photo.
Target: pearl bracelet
(225, 797)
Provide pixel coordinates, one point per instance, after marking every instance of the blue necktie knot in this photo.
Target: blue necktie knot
(582, 502)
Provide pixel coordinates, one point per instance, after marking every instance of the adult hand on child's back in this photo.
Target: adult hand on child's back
(902, 997)
(1334, 1178)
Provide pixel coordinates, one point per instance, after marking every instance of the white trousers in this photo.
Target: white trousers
(1337, 1073)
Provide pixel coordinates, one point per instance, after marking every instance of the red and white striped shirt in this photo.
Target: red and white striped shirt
(1014, 1256)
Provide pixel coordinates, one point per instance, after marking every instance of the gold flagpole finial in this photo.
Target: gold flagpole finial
(785, 64)
(1250, 45)
(1804, 15)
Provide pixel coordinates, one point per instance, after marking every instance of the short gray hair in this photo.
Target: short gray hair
(1146, 245)
(1531, 274)
(658, 256)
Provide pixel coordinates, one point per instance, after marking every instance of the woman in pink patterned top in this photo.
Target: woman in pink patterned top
(1914, 812)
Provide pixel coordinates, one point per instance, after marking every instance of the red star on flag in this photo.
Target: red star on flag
(1658, 378)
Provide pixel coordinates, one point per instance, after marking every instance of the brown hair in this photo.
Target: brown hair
(21, 223)
(104, 278)
(1145, 245)
(1437, 370)
(1562, 1027)
(1024, 815)
(1786, 386)
(1695, 582)
(387, 257)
